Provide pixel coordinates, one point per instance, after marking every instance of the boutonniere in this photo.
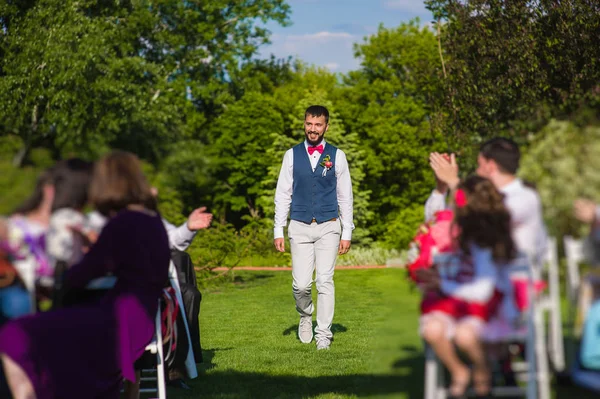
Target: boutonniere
(326, 164)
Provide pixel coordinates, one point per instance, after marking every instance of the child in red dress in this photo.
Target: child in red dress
(459, 291)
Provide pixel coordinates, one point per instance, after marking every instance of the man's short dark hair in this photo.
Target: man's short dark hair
(504, 152)
(317, 110)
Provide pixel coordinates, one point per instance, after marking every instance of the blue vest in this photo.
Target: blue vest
(314, 196)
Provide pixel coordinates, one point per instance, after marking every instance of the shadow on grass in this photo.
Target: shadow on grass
(207, 358)
(406, 377)
(245, 279)
(335, 328)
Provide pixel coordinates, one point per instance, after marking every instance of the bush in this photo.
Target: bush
(403, 226)
(367, 256)
(222, 246)
(563, 163)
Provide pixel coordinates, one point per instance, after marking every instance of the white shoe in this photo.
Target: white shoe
(305, 329)
(323, 344)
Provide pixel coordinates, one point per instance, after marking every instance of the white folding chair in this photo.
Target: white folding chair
(155, 346)
(536, 359)
(574, 251)
(575, 256)
(550, 303)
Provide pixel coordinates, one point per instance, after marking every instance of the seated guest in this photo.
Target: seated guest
(180, 238)
(72, 179)
(460, 295)
(25, 241)
(86, 351)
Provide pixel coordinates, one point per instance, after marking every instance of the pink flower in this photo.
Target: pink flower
(460, 198)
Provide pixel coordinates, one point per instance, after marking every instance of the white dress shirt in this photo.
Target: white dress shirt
(283, 193)
(525, 208)
(179, 237)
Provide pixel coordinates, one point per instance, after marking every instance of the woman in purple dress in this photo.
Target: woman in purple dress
(86, 351)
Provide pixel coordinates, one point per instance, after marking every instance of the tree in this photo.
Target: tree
(80, 76)
(513, 65)
(314, 86)
(239, 153)
(391, 104)
(563, 162)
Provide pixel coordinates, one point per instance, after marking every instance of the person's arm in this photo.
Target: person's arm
(436, 202)
(345, 197)
(481, 288)
(180, 237)
(283, 193)
(97, 262)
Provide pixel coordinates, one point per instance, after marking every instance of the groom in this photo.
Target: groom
(315, 182)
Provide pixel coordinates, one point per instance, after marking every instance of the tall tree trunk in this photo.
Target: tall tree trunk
(22, 154)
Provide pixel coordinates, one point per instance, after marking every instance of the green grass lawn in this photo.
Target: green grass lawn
(251, 349)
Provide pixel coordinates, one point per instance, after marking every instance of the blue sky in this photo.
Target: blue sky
(323, 31)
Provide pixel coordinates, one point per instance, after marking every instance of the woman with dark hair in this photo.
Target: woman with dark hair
(64, 242)
(460, 293)
(85, 351)
(33, 228)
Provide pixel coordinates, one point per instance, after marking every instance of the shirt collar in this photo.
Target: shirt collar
(513, 186)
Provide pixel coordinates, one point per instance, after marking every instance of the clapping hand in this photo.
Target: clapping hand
(199, 219)
(445, 169)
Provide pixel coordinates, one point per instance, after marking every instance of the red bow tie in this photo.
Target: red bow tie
(312, 149)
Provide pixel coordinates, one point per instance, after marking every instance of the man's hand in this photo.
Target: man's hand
(344, 247)
(199, 219)
(446, 170)
(585, 210)
(279, 244)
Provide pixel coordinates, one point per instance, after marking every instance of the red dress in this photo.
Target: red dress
(458, 268)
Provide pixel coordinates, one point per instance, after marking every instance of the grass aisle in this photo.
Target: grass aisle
(251, 348)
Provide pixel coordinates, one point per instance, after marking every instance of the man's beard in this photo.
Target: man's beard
(313, 143)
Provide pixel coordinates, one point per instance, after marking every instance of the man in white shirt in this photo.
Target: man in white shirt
(180, 237)
(498, 161)
(314, 183)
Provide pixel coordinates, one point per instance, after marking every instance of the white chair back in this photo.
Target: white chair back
(575, 255)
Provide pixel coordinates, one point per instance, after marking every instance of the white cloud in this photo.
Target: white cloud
(412, 6)
(314, 47)
(321, 36)
(332, 66)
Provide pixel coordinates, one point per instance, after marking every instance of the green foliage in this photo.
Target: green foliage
(402, 226)
(82, 75)
(222, 246)
(240, 163)
(389, 105)
(16, 185)
(563, 163)
(512, 65)
(367, 256)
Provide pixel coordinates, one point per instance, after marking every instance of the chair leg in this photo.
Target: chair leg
(160, 360)
(556, 336)
(431, 374)
(541, 370)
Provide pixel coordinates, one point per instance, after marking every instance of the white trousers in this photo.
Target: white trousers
(315, 247)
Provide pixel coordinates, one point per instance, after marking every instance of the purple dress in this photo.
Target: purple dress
(85, 351)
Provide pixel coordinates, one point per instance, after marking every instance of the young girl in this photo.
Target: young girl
(460, 294)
